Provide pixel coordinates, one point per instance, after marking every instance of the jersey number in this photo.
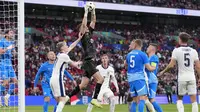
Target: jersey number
(187, 59)
(132, 62)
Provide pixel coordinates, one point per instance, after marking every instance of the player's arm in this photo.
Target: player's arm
(114, 80)
(37, 76)
(149, 67)
(146, 62)
(75, 43)
(84, 22)
(93, 19)
(66, 59)
(3, 50)
(197, 63)
(171, 64)
(67, 74)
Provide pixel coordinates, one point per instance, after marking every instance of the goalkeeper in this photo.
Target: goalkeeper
(7, 73)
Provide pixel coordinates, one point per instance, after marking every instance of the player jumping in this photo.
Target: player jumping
(107, 72)
(7, 72)
(56, 81)
(46, 71)
(185, 57)
(152, 76)
(136, 61)
(89, 54)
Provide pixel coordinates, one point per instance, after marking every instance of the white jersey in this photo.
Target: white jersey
(106, 73)
(61, 63)
(185, 57)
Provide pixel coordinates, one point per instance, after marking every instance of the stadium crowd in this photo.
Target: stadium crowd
(165, 35)
(187, 4)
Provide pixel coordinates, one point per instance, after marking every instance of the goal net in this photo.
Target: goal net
(12, 56)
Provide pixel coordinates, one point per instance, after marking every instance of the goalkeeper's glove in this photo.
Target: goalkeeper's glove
(86, 10)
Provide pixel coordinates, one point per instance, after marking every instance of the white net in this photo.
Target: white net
(8, 56)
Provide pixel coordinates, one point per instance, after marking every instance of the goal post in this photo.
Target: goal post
(21, 55)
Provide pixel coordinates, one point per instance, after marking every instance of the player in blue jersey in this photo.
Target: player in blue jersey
(7, 73)
(152, 75)
(45, 70)
(136, 61)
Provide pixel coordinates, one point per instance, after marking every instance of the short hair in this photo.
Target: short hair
(154, 44)
(59, 45)
(184, 37)
(139, 42)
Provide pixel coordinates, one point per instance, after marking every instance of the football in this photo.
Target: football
(90, 6)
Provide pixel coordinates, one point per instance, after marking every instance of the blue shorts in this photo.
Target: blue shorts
(152, 90)
(47, 91)
(138, 88)
(7, 72)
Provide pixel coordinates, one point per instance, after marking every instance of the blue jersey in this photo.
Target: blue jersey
(46, 70)
(6, 58)
(136, 61)
(152, 76)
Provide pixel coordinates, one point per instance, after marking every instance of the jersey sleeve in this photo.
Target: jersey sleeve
(40, 71)
(196, 57)
(174, 54)
(66, 58)
(154, 61)
(1, 44)
(145, 58)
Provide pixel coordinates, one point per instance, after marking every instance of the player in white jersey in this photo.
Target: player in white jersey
(107, 73)
(56, 81)
(185, 57)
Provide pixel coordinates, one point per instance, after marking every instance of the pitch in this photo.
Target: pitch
(82, 108)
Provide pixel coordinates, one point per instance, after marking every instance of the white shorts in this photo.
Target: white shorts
(187, 87)
(57, 87)
(105, 93)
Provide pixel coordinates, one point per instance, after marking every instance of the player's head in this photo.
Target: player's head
(152, 48)
(183, 38)
(104, 59)
(9, 34)
(51, 56)
(136, 44)
(62, 47)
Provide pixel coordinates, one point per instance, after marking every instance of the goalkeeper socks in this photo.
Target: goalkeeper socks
(133, 107)
(60, 106)
(129, 106)
(157, 106)
(75, 91)
(180, 106)
(195, 107)
(97, 90)
(141, 106)
(45, 106)
(149, 106)
(55, 107)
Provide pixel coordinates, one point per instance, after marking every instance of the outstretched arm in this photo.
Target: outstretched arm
(93, 19)
(169, 66)
(84, 22)
(75, 43)
(38, 76)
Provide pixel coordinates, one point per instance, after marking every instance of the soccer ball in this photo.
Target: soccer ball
(90, 6)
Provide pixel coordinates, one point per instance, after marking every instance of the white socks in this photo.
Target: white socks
(60, 106)
(89, 108)
(112, 104)
(180, 106)
(195, 107)
(149, 106)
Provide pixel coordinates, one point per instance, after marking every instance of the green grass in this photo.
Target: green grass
(82, 108)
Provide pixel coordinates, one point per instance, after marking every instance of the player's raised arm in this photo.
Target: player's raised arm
(93, 18)
(75, 43)
(84, 22)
